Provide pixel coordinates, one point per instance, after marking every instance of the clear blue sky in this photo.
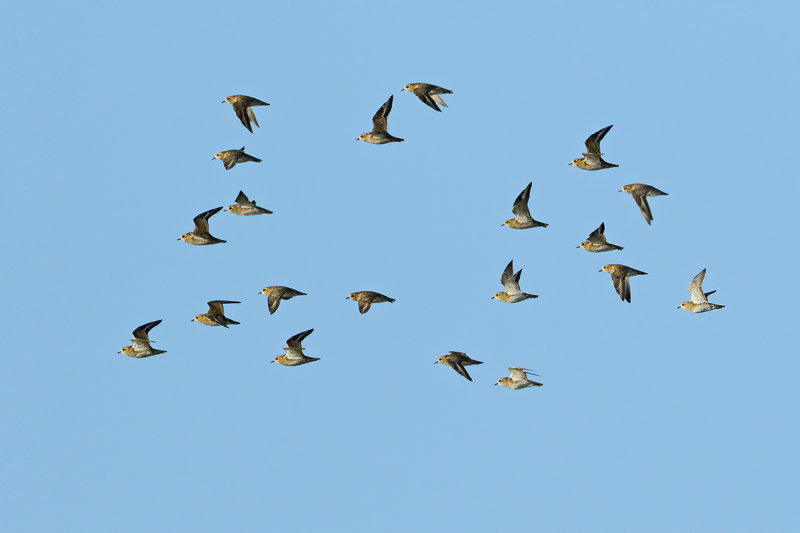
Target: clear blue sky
(651, 418)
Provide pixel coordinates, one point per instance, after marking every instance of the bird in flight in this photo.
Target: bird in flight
(457, 361)
(428, 94)
(592, 159)
(379, 134)
(699, 302)
(243, 107)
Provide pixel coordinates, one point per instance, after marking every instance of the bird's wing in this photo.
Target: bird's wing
(641, 200)
(426, 98)
(696, 288)
(518, 374)
(458, 367)
(364, 304)
(593, 141)
(296, 340)
(215, 307)
(241, 107)
(509, 280)
(201, 220)
(597, 236)
(623, 286)
(379, 119)
(141, 333)
(242, 199)
(274, 300)
(521, 209)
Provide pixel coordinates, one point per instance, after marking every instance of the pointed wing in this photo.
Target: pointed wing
(458, 367)
(623, 286)
(641, 200)
(509, 280)
(593, 141)
(696, 289)
(274, 300)
(296, 340)
(438, 99)
(252, 115)
(379, 119)
(215, 307)
(364, 304)
(240, 107)
(427, 100)
(597, 236)
(521, 209)
(242, 199)
(201, 220)
(141, 333)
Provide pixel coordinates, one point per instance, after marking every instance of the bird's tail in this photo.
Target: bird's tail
(716, 306)
(390, 300)
(614, 246)
(530, 295)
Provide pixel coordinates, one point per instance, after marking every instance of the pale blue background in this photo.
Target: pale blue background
(651, 419)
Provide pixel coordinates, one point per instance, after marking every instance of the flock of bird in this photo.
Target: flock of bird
(431, 96)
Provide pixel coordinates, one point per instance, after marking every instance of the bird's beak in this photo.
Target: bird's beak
(223, 101)
(119, 351)
(272, 361)
(600, 270)
(179, 238)
(358, 138)
(433, 362)
(213, 158)
(679, 307)
(619, 190)
(578, 246)
(497, 382)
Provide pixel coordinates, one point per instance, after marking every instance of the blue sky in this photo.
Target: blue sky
(650, 418)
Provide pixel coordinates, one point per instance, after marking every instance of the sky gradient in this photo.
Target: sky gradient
(650, 418)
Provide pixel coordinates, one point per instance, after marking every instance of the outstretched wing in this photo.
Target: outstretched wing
(623, 286)
(242, 199)
(593, 141)
(597, 236)
(141, 333)
(296, 340)
(521, 209)
(509, 280)
(379, 119)
(696, 289)
(215, 307)
(274, 300)
(641, 200)
(201, 220)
